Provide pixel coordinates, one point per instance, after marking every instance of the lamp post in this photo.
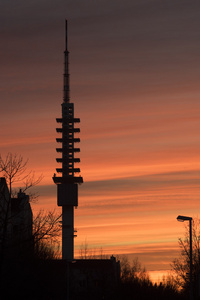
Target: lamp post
(182, 219)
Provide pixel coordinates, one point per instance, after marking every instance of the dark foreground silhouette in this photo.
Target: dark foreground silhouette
(53, 279)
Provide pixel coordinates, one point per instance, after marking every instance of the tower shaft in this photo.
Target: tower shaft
(67, 183)
(68, 232)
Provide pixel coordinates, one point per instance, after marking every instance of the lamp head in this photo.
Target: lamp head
(183, 218)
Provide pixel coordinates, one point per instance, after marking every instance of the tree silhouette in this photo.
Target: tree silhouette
(181, 265)
(136, 284)
(46, 233)
(46, 225)
(14, 169)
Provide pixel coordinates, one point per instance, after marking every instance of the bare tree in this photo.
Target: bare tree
(181, 265)
(83, 250)
(133, 272)
(46, 226)
(44, 250)
(46, 234)
(86, 252)
(14, 169)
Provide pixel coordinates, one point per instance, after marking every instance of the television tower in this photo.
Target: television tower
(67, 183)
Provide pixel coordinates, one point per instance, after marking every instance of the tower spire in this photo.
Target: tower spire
(66, 96)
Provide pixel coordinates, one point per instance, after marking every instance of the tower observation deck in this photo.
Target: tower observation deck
(67, 182)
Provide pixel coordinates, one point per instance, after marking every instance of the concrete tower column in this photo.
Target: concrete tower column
(68, 232)
(67, 183)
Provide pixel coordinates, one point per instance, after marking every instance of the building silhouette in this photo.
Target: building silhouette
(16, 221)
(67, 182)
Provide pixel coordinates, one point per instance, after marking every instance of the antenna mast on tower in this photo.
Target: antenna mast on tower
(66, 96)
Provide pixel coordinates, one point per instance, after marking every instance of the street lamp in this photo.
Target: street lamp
(182, 219)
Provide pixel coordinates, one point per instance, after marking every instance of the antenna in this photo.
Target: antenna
(66, 35)
(66, 97)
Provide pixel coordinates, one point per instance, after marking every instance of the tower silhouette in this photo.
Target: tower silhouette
(67, 183)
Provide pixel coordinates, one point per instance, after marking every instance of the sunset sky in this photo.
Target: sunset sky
(134, 76)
